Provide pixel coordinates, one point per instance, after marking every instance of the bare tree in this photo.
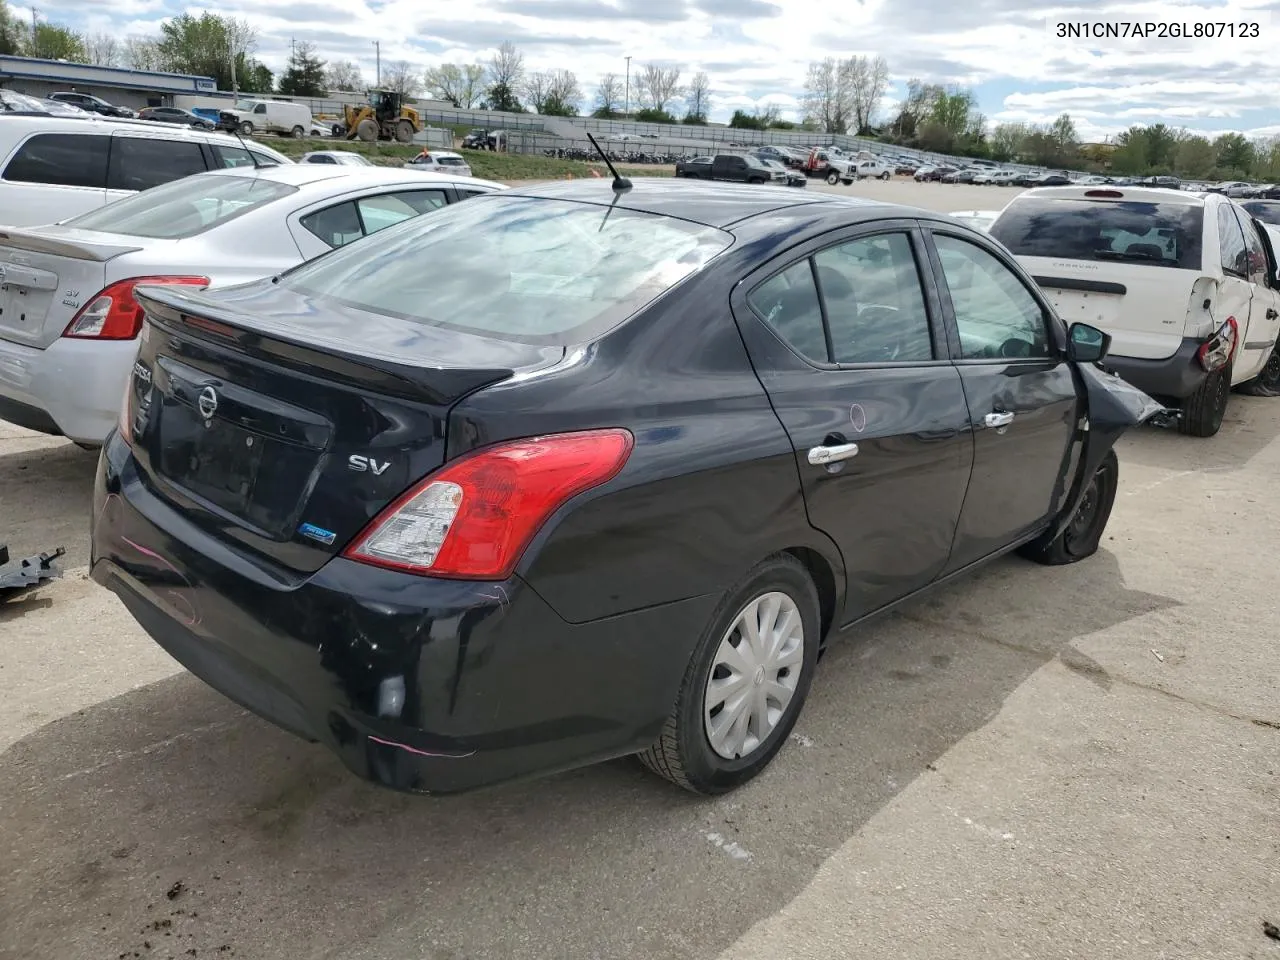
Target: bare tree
(867, 78)
(242, 40)
(822, 96)
(461, 85)
(344, 75)
(608, 95)
(104, 50)
(536, 89)
(402, 78)
(506, 67)
(698, 96)
(142, 53)
(564, 96)
(658, 86)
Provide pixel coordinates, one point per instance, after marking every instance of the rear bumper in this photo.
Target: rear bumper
(72, 387)
(1173, 377)
(421, 685)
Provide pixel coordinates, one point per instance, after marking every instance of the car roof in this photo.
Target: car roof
(1147, 194)
(711, 204)
(63, 123)
(304, 174)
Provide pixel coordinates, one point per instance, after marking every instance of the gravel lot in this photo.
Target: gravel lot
(1036, 762)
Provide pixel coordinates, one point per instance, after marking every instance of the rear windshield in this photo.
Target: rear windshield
(183, 208)
(1156, 234)
(519, 268)
(1266, 212)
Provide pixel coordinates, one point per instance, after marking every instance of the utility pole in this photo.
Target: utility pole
(35, 35)
(626, 109)
(377, 48)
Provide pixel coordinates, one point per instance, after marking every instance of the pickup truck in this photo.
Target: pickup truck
(729, 166)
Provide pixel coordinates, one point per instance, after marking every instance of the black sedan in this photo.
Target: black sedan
(570, 472)
(176, 115)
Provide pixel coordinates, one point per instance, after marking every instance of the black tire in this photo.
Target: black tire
(1266, 383)
(246, 129)
(298, 133)
(833, 178)
(404, 131)
(1082, 535)
(1202, 412)
(886, 175)
(683, 753)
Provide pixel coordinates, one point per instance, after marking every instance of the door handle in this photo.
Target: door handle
(998, 419)
(821, 456)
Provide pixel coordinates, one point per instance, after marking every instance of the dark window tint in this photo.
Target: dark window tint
(139, 163)
(321, 158)
(875, 306)
(1231, 248)
(1159, 234)
(1266, 212)
(337, 225)
(997, 317)
(64, 159)
(788, 302)
(230, 157)
(1255, 254)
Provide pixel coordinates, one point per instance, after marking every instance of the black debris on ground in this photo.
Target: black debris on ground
(176, 890)
(1271, 930)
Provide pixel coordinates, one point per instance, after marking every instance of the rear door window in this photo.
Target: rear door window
(1255, 254)
(224, 157)
(139, 163)
(788, 303)
(61, 159)
(1231, 248)
(388, 209)
(1130, 232)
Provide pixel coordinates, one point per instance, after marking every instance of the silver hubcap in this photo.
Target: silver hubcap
(754, 675)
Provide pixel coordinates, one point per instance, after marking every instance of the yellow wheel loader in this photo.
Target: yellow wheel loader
(384, 117)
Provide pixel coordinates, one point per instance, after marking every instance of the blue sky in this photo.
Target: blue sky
(756, 51)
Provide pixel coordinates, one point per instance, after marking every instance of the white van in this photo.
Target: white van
(267, 116)
(55, 167)
(1186, 285)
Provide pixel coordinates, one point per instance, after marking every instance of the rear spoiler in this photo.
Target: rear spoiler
(71, 246)
(203, 319)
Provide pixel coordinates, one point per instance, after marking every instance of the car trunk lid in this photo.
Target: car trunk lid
(47, 274)
(288, 425)
(1144, 308)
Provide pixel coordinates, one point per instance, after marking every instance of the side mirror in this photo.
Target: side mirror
(1086, 344)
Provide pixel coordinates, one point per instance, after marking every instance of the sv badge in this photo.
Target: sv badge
(362, 464)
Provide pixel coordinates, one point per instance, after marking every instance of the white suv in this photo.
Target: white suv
(55, 167)
(1185, 284)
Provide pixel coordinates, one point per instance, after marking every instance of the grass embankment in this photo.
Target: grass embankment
(483, 163)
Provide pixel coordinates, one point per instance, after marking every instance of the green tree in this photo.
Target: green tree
(653, 115)
(1131, 151)
(305, 76)
(204, 46)
(258, 78)
(1007, 140)
(11, 33)
(502, 97)
(55, 42)
(1194, 157)
(1235, 153)
(746, 121)
(1162, 146)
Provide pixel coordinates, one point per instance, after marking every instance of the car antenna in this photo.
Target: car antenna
(253, 157)
(619, 183)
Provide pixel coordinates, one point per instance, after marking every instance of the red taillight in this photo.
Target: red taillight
(1216, 352)
(474, 518)
(113, 314)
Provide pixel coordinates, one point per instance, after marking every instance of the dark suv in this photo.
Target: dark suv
(91, 103)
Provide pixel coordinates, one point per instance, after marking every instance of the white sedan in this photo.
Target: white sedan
(69, 324)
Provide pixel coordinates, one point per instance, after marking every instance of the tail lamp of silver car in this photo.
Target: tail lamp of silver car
(1216, 352)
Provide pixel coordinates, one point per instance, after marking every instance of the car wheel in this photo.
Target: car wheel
(404, 131)
(833, 178)
(745, 684)
(246, 129)
(1202, 412)
(298, 133)
(1266, 383)
(1082, 535)
(367, 130)
(885, 175)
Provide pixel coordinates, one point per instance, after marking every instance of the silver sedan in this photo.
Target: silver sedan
(69, 324)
